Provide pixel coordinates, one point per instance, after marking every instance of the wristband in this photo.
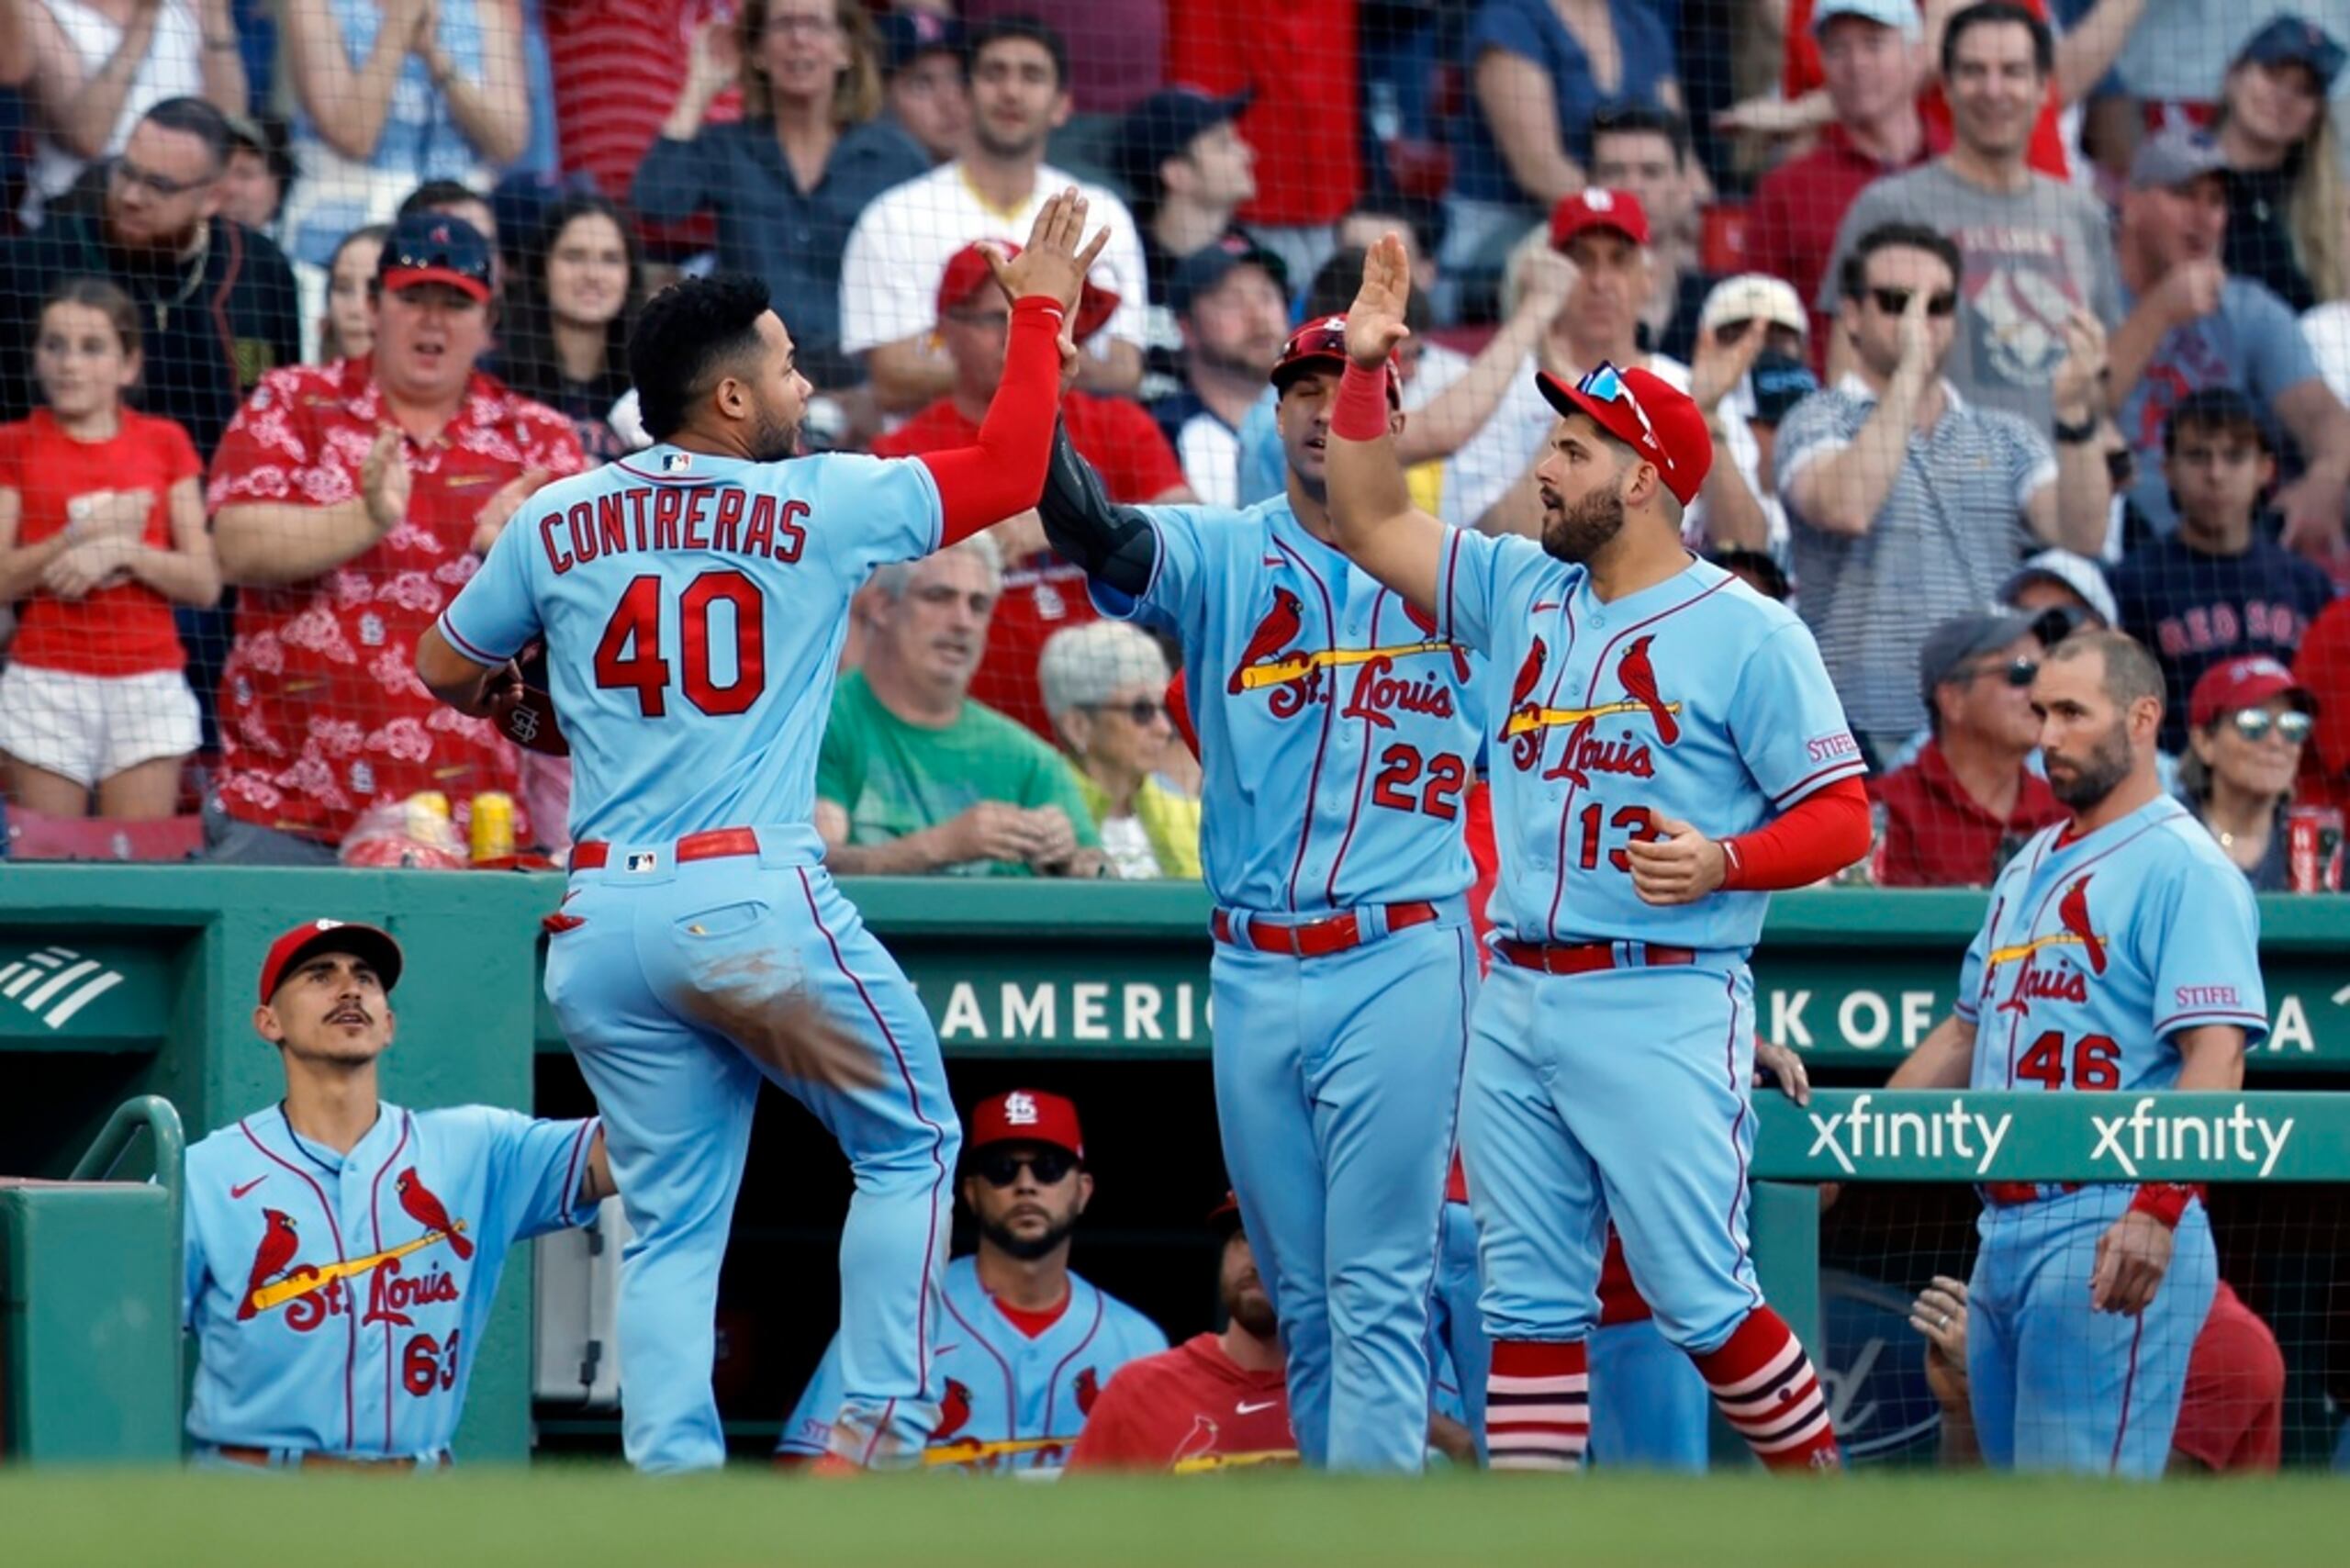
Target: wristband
(1361, 411)
(1033, 304)
(2166, 1201)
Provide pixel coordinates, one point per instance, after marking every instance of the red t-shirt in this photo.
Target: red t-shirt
(1192, 1407)
(1791, 224)
(1305, 125)
(321, 713)
(126, 628)
(1937, 836)
(2232, 1415)
(2323, 666)
(1045, 594)
(1801, 72)
(617, 66)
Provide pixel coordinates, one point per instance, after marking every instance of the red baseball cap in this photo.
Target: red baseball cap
(1027, 1115)
(367, 942)
(1225, 1218)
(967, 273)
(2244, 683)
(1647, 413)
(1321, 345)
(1596, 206)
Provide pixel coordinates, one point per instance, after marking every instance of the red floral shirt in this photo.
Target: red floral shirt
(321, 713)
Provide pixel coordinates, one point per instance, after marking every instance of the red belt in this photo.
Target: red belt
(1317, 939)
(715, 845)
(314, 1461)
(1586, 958)
(2008, 1194)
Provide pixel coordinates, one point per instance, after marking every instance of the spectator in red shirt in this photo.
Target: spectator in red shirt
(1213, 1402)
(1955, 814)
(1868, 53)
(101, 533)
(352, 502)
(615, 65)
(2322, 668)
(1042, 593)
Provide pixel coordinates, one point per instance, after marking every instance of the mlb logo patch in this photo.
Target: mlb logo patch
(676, 461)
(643, 860)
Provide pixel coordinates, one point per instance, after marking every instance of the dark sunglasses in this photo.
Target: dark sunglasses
(2254, 725)
(1138, 713)
(1894, 301)
(161, 184)
(2015, 672)
(1001, 1168)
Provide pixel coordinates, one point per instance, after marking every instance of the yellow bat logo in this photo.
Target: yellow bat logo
(1293, 666)
(1526, 721)
(316, 1276)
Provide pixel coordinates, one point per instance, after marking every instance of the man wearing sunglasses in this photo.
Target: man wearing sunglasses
(1969, 798)
(1025, 1345)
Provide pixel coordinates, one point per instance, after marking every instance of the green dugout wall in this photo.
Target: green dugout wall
(117, 981)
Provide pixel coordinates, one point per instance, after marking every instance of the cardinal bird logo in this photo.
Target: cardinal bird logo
(1089, 1389)
(2073, 914)
(1426, 621)
(1273, 636)
(1640, 684)
(417, 1199)
(954, 1412)
(278, 1244)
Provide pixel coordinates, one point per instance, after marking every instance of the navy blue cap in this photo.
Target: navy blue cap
(2290, 39)
(433, 247)
(1162, 126)
(1204, 268)
(907, 35)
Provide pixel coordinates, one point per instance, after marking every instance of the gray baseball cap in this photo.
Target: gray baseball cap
(2174, 157)
(1961, 638)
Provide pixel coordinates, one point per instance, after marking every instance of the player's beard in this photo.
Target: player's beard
(1582, 529)
(1028, 1249)
(2082, 783)
(1252, 1308)
(775, 439)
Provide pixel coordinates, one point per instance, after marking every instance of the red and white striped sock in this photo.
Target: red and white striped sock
(1538, 1406)
(1765, 1387)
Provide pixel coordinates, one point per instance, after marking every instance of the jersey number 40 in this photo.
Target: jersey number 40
(628, 657)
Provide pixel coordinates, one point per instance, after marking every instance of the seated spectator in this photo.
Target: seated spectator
(1118, 51)
(1020, 90)
(217, 302)
(1868, 53)
(1105, 685)
(2322, 668)
(2036, 252)
(1027, 1344)
(1907, 503)
(347, 330)
(1231, 301)
(1752, 333)
(388, 94)
(2191, 326)
(101, 531)
(786, 180)
(913, 776)
(350, 502)
(261, 171)
(2062, 593)
(566, 346)
(1188, 172)
(1644, 151)
(2247, 722)
(454, 198)
(925, 87)
(1214, 1401)
(1540, 70)
(2284, 163)
(1041, 592)
(99, 66)
(1957, 813)
(2219, 588)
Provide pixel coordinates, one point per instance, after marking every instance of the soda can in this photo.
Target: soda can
(2314, 849)
(427, 810)
(493, 826)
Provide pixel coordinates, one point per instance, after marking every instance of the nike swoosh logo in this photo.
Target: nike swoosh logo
(1252, 1409)
(235, 1193)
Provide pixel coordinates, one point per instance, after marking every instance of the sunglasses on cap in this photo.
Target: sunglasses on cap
(1894, 301)
(2292, 726)
(2015, 672)
(1141, 711)
(1002, 1167)
(1606, 384)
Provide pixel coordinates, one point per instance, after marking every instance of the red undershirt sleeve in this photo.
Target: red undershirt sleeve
(1002, 473)
(1815, 838)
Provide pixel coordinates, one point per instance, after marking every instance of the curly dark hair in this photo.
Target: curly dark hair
(685, 333)
(526, 357)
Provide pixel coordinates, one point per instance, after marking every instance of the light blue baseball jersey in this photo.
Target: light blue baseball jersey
(1010, 1401)
(2098, 951)
(693, 608)
(1695, 698)
(1337, 731)
(338, 1300)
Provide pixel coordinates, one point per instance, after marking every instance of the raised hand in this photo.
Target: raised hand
(2076, 390)
(1375, 320)
(715, 59)
(1545, 278)
(1050, 266)
(1721, 366)
(384, 481)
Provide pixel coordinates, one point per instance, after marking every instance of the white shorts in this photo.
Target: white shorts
(91, 727)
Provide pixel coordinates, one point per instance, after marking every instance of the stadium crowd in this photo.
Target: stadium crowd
(2006, 318)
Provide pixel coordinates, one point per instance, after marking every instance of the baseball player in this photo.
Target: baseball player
(1026, 1346)
(1338, 731)
(693, 601)
(342, 1253)
(2121, 957)
(1216, 1401)
(1671, 749)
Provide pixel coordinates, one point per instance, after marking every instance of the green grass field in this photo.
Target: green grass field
(583, 1517)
